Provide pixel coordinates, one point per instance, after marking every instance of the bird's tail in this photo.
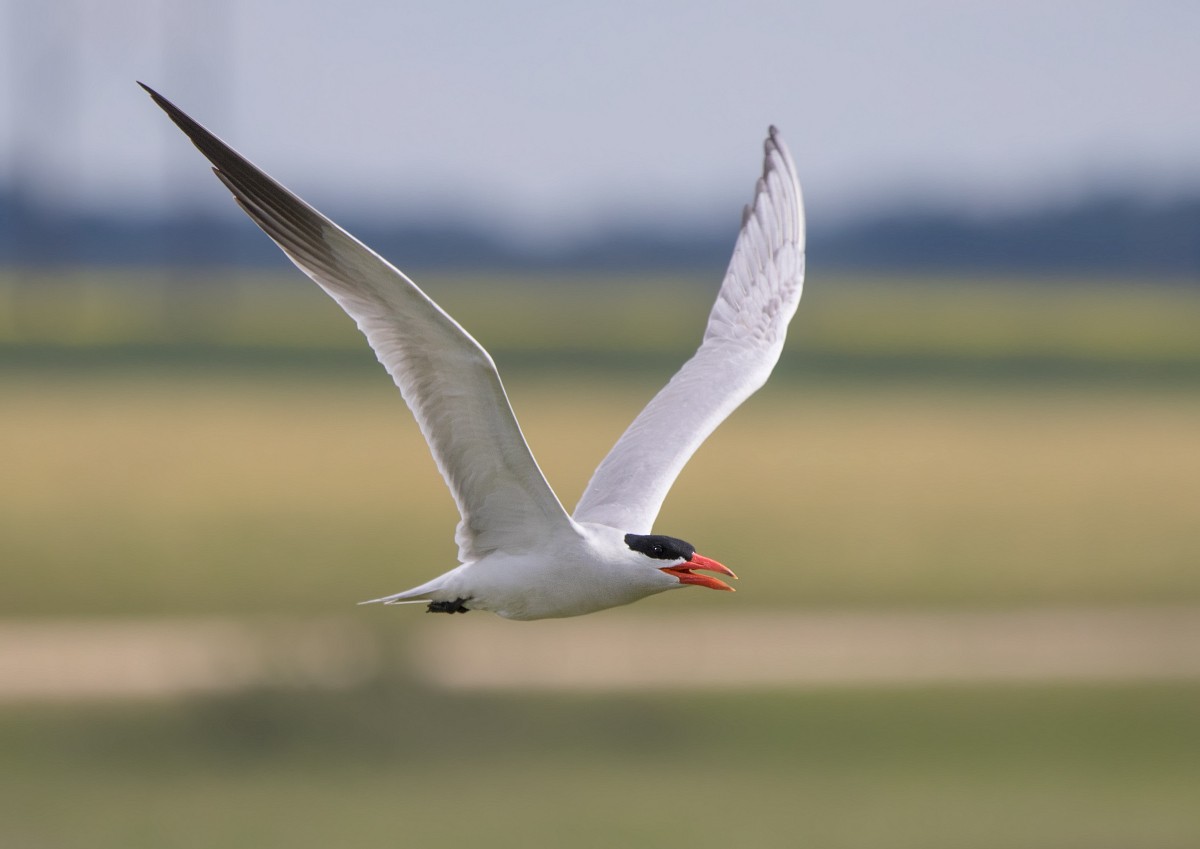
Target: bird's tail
(394, 599)
(416, 595)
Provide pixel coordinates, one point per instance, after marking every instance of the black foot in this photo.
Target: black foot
(455, 606)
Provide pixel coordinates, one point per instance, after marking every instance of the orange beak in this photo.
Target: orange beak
(684, 573)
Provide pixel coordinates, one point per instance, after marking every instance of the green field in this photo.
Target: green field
(988, 328)
(937, 769)
(231, 448)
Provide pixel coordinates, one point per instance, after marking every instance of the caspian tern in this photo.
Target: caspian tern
(521, 556)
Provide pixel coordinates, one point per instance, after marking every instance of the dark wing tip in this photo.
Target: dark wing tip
(294, 225)
(166, 105)
(185, 122)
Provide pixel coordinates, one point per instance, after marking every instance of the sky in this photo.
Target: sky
(545, 116)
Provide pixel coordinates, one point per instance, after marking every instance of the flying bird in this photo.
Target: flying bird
(521, 555)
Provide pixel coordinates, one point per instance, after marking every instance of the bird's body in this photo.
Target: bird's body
(567, 577)
(521, 555)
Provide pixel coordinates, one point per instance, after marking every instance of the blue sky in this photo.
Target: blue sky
(542, 115)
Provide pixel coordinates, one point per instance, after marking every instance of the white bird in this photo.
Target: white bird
(521, 555)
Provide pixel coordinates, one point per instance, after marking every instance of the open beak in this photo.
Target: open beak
(684, 573)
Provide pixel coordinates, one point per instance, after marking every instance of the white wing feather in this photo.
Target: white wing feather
(446, 377)
(741, 345)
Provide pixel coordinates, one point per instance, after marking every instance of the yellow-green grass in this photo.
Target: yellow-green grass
(1056, 768)
(1000, 324)
(163, 493)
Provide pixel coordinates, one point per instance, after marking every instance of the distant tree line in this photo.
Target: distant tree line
(1112, 235)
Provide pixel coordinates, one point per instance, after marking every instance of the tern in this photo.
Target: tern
(521, 555)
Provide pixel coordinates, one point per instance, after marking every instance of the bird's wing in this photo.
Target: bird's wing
(741, 345)
(447, 378)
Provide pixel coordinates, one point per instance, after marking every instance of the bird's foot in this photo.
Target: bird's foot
(455, 606)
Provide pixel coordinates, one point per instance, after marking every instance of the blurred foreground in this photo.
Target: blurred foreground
(1020, 458)
(403, 765)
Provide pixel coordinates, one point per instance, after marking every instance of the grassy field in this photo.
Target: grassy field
(148, 495)
(234, 450)
(939, 769)
(975, 329)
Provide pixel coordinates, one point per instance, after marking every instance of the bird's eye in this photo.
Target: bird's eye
(657, 551)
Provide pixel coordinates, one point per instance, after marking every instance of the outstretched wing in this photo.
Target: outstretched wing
(447, 378)
(741, 345)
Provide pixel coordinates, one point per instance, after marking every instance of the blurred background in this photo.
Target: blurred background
(964, 510)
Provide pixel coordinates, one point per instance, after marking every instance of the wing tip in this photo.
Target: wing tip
(777, 159)
(164, 104)
(774, 143)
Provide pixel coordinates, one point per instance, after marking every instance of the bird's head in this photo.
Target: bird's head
(679, 559)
